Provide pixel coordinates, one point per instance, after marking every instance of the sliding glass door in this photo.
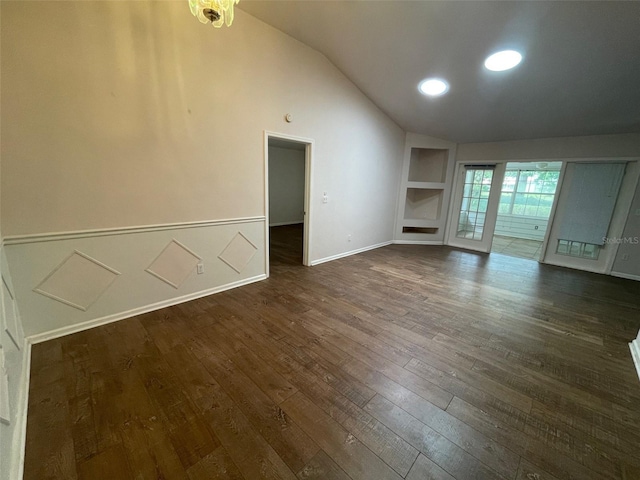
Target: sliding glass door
(475, 210)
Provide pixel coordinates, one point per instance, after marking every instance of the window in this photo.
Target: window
(578, 249)
(475, 199)
(528, 193)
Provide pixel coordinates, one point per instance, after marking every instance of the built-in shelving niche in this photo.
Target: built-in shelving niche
(425, 194)
(423, 204)
(428, 165)
(423, 230)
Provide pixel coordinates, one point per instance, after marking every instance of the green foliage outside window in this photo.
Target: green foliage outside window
(528, 193)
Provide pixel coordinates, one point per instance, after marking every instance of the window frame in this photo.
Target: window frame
(515, 192)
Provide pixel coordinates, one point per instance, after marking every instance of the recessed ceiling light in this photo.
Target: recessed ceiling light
(503, 60)
(433, 87)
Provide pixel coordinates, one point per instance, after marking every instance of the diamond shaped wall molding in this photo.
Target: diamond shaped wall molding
(78, 281)
(238, 252)
(10, 322)
(174, 264)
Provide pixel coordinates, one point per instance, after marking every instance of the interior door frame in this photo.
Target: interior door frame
(308, 185)
(491, 218)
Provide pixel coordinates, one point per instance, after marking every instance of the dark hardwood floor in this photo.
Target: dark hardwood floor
(403, 362)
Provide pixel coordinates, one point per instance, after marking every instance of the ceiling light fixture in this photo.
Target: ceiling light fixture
(434, 87)
(503, 60)
(218, 12)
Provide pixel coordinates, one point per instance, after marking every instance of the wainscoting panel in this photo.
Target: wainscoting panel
(78, 281)
(238, 253)
(170, 253)
(10, 319)
(174, 264)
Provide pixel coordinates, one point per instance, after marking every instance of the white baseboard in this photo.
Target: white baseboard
(635, 354)
(349, 253)
(68, 330)
(418, 242)
(282, 224)
(628, 276)
(20, 440)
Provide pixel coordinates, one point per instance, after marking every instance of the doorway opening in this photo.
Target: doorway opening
(526, 200)
(287, 193)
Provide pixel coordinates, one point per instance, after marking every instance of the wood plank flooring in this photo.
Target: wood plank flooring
(403, 362)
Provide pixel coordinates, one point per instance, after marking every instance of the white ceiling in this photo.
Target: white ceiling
(580, 74)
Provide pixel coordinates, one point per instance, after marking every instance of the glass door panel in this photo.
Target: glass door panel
(475, 200)
(476, 206)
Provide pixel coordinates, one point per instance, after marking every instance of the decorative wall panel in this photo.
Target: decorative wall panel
(174, 264)
(78, 281)
(10, 322)
(238, 252)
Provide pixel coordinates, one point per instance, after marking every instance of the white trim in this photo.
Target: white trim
(265, 173)
(635, 354)
(418, 242)
(248, 259)
(309, 144)
(351, 252)
(308, 195)
(79, 327)
(628, 276)
(37, 289)
(552, 215)
(282, 224)
(586, 268)
(55, 236)
(166, 280)
(20, 443)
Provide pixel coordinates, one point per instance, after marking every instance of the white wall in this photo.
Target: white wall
(519, 226)
(635, 352)
(286, 186)
(14, 359)
(133, 114)
(627, 261)
(627, 145)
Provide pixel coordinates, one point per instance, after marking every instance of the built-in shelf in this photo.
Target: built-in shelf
(423, 204)
(421, 223)
(422, 230)
(424, 194)
(432, 185)
(428, 165)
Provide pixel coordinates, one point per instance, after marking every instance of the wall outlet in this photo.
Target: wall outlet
(200, 268)
(349, 238)
(325, 199)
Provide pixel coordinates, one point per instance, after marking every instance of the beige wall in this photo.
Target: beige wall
(12, 366)
(133, 113)
(127, 114)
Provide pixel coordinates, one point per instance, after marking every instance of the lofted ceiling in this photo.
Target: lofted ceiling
(580, 74)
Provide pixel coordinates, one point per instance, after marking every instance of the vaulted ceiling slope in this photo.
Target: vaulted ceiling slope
(580, 74)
